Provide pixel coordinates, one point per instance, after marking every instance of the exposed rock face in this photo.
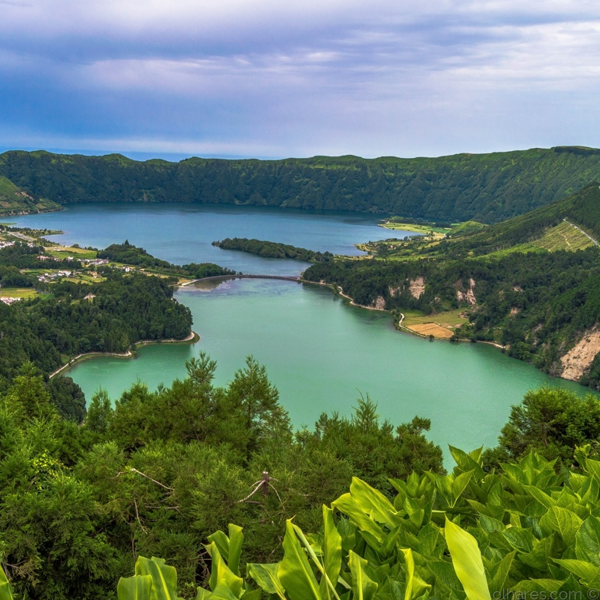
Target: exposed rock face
(394, 291)
(514, 311)
(467, 296)
(417, 287)
(380, 303)
(578, 360)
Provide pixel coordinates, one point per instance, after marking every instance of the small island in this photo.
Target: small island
(268, 249)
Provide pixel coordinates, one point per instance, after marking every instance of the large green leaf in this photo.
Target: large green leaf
(500, 573)
(5, 587)
(587, 541)
(138, 587)
(351, 508)
(459, 485)
(222, 574)
(294, 571)
(222, 592)
(236, 539)
(363, 587)
(332, 552)
(466, 558)
(164, 577)
(230, 547)
(414, 585)
(562, 520)
(374, 503)
(266, 576)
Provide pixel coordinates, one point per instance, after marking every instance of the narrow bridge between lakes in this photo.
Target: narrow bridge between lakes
(224, 277)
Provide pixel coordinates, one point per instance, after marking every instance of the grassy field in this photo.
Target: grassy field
(424, 229)
(18, 292)
(561, 237)
(70, 251)
(441, 325)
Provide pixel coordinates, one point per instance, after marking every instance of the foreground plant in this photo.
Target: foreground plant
(465, 535)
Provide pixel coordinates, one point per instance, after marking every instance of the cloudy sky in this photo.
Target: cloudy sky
(277, 78)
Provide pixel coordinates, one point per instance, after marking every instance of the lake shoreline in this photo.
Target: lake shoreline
(192, 338)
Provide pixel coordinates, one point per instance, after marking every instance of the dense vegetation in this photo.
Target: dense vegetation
(537, 303)
(486, 187)
(50, 329)
(15, 201)
(161, 471)
(68, 318)
(272, 249)
(132, 255)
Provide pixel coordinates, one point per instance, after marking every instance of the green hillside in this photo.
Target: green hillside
(13, 200)
(482, 187)
(530, 284)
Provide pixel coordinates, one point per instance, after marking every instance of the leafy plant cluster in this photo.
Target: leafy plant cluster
(485, 187)
(273, 249)
(466, 535)
(159, 472)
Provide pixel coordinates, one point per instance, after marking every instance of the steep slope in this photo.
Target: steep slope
(485, 187)
(14, 200)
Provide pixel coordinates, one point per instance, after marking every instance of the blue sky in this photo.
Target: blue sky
(270, 78)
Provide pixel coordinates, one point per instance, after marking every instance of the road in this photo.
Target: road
(582, 231)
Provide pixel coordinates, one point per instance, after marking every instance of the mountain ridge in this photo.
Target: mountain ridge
(485, 187)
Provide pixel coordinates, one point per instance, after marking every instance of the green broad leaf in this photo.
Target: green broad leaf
(464, 461)
(415, 586)
(236, 539)
(349, 506)
(294, 570)
(252, 595)
(5, 587)
(584, 570)
(415, 513)
(536, 585)
(565, 522)
(587, 541)
(202, 594)
(543, 498)
(220, 573)
(6, 591)
(374, 503)
(466, 558)
(138, 587)
(428, 539)
(164, 577)
(500, 573)
(459, 485)
(222, 592)
(221, 541)
(363, 587)
(520, 539)
(313, 555)
(267, 578)
(332, 552)
(593, 469)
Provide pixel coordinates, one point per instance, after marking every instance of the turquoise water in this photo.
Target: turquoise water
(322, 353)
(183, 233)
(319, 351)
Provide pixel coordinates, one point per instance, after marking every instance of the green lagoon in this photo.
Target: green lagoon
(320, 352)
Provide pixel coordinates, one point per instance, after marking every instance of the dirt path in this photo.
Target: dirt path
(595, 242)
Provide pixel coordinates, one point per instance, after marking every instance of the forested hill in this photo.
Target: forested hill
(483, 187)
(530, 284)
